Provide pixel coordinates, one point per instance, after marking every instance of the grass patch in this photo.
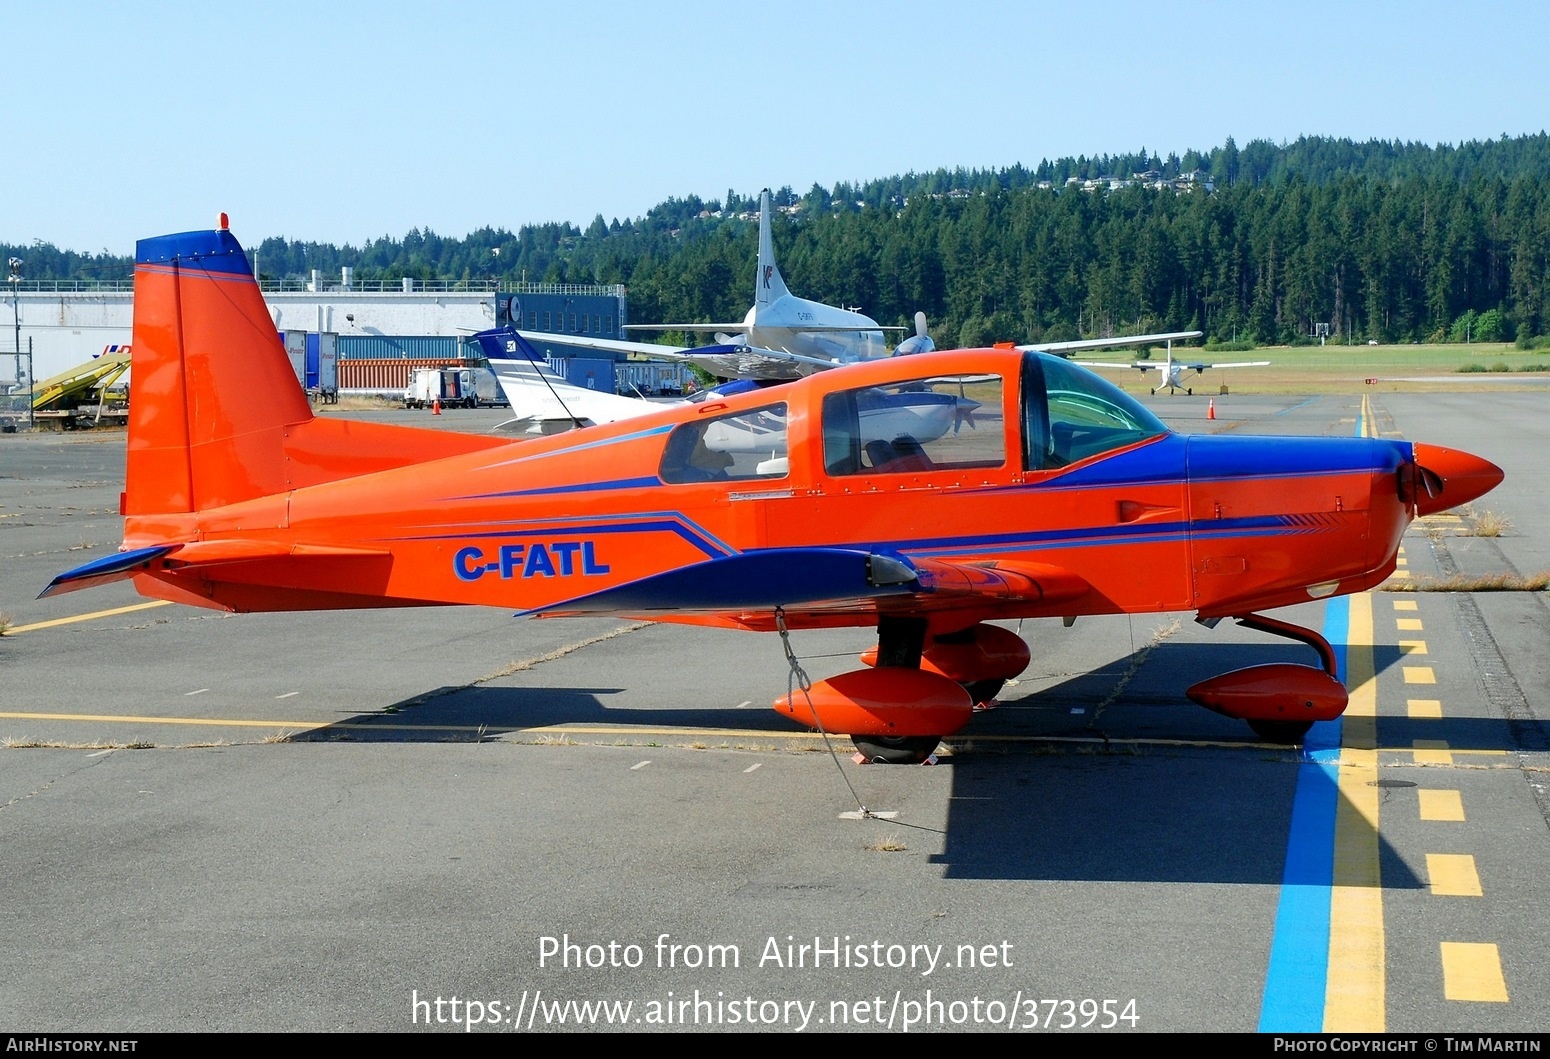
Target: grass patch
(1487, 523)
(360, 403)
(53, 744)
(887, 844)
(1472, 583)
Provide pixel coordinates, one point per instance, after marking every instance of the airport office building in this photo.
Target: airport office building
(65, 324)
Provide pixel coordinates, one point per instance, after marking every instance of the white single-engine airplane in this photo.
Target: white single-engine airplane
(1173, 372)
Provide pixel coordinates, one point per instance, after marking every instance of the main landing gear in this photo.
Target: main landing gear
(900, 645)
(920, 688)
(1280, 700)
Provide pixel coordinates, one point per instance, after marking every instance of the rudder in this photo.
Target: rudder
(768, 285)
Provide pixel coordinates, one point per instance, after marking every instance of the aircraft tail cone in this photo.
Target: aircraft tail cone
(1450, 478)
(1211, 408)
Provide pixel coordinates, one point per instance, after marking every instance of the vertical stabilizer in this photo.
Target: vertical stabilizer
(213, 391)
(217, 415)
(768, 285)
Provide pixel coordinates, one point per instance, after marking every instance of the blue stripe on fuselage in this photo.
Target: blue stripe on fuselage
(1215, 458)
(1177, 458)
(669, 521)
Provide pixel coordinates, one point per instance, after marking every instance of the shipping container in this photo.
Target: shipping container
(296, 350)
(385, 376)
(400, 347)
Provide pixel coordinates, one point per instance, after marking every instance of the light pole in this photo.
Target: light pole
(15, 277)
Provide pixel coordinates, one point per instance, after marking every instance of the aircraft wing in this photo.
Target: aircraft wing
(738, 328)
(1109, 343)
(1139, 365)
(1162, 365)
(611, 345)
(1235, 364)
(749, 362)
(808, 584)
(729, 328)
(728, 361)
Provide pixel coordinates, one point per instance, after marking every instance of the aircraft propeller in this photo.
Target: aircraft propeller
(919, 342)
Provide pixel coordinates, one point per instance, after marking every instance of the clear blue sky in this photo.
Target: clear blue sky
(344, 121)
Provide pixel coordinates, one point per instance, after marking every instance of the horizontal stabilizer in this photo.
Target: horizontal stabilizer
(210, 553)
(201, 555)
(105, 571)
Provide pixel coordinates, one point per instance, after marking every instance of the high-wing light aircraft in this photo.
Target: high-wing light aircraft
(770, 510)
(1173, 373)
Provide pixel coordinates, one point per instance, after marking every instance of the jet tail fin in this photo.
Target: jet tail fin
(768, 285)
(217, 415)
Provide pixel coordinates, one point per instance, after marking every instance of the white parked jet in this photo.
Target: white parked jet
(545, 403)
(781, 337)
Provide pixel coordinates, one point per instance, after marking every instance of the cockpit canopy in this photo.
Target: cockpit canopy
(951, 422)
(1069, 414)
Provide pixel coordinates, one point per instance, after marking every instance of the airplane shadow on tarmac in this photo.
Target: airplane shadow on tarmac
(1078, 779)
(1159, 810)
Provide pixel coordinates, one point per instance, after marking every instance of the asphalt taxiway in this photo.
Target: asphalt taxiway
(334, 821)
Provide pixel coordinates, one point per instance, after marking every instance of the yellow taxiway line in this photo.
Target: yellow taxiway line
(86, 617)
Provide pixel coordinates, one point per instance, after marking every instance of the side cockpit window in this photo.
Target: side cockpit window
(944, 423)
(729, 448)
(1070, 414)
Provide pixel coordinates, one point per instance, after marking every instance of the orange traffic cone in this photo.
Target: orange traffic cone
(436, 406)
(1211, 408)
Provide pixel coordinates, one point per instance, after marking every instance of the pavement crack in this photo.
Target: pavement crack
(1502, 689)
(526, 664)
(559, 652)
(42, 789)
(1137, 660)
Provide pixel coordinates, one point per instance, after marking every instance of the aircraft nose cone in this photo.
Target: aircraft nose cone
(1452, 478)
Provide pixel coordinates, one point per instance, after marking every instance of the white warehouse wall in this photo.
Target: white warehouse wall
(69, 328)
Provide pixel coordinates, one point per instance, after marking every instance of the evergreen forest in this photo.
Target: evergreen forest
(1383, 241)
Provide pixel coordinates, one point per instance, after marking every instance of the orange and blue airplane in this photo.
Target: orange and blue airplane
(785, 507)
